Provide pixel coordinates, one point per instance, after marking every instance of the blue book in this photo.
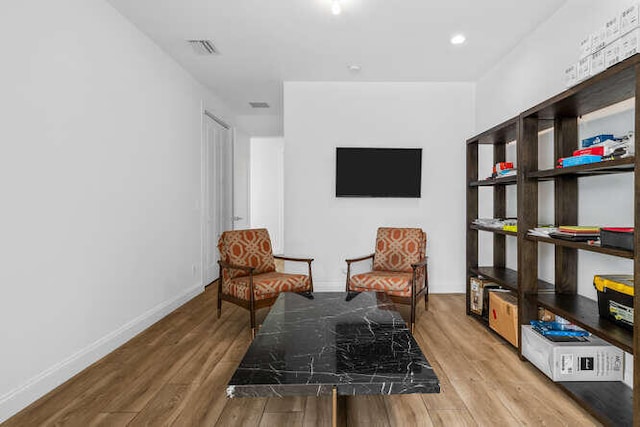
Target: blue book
(558, 329)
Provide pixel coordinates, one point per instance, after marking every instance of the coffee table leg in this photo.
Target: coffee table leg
(338, 409)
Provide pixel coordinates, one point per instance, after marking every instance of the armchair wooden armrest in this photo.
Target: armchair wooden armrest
(307, 260)
(349, 261)
(286, 258)
(236, 267)
(420, 263)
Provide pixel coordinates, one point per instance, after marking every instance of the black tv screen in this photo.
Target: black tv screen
(378, 172)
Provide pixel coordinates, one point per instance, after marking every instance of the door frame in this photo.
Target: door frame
(205, 115)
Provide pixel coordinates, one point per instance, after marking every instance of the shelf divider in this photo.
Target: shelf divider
(584, 312)
(626, 164)
(584, 246)
(493, 230)
(611, 402)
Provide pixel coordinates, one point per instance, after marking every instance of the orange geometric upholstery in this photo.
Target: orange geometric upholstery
(398, 248)
(266, 285)
(248, 276)
(249, 248)
(397, 283)
(399, 267)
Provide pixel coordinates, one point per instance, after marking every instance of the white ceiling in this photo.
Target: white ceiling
(266, 42)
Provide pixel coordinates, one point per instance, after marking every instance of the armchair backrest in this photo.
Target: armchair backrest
(249, 248)
(398, 248)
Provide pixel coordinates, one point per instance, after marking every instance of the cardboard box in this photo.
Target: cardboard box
(597, 62)
(629, 44)
(478, 287)
(612, 28)
(571, 75)
(546, 315)
(503, 315)
(585, 46)
(591, 360)
(584, 68)
(598, 39)
(612, 53)
(629, 19)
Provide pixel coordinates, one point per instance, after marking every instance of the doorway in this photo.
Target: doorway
(217, 190)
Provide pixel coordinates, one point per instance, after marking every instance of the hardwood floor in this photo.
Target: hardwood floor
(175, 373)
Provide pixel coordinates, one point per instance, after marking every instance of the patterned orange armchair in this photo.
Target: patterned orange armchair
(248, 275)
(399, 267)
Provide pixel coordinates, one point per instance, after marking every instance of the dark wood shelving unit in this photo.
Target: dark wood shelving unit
(493, 230)
(584, 246)
(613, 403)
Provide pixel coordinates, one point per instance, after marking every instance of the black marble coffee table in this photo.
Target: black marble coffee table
(333, 343)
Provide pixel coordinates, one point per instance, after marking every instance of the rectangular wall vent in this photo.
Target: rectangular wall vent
(259, 105)
(204, 47)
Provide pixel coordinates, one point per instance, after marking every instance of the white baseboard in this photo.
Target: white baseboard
(36, 387)
(328, 286)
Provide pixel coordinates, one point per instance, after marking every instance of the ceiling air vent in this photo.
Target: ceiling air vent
(204, 47)
(259, 105)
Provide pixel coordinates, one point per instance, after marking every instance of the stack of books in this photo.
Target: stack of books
(576, 233)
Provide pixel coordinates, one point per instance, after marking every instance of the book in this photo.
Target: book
(579, 229)
(596, 150)
(574, 237)
(558, 329)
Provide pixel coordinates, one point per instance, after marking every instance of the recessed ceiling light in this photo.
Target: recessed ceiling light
(354, 68)
(336, 9)
(458, 39)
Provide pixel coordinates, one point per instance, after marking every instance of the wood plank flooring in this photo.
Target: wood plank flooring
(175, 372)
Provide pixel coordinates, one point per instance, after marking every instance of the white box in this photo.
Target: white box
(612, 27)
(597, 62)
(612, 53)
(571, 75)
(629, 19)
(598, 39)
(593, 360)
(584, 68)
(585, 46)
(629, 44)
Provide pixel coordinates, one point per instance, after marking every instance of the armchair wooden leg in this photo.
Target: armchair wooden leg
(219, 296)
(346, 289)
(252, 311)
(413, 313)
(426, 299)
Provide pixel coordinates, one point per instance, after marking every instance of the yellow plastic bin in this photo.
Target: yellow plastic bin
(615, 298)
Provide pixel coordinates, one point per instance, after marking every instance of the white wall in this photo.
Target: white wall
(267, 188)
(100, 184)
(318, 117)
(261, 125)
(241, 180)
(534, 70)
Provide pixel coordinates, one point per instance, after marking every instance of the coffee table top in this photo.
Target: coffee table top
(312, 342)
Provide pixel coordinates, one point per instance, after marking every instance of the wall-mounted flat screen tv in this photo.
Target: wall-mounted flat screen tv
(378, 172)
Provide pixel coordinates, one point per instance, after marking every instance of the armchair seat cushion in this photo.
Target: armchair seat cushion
(266, 285)
(395, 283)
